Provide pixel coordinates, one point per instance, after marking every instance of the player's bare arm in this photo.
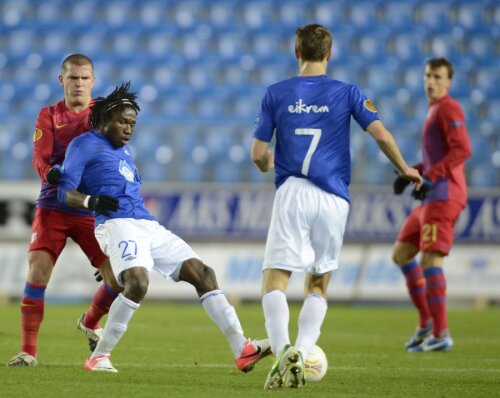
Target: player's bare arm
(262, 155)
(75, 199)
(388, 145)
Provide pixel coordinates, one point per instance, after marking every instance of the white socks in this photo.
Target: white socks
(276, 314)
(311, 318)
(120, 313)
(224, 315)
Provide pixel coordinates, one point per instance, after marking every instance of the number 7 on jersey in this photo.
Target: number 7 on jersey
(316, 133)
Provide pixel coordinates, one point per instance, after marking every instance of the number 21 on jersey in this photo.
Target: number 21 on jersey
(316, 135)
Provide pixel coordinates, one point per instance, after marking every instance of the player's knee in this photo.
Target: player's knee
(40, 267)
(201, 276)
(399, 258)
(136, 283)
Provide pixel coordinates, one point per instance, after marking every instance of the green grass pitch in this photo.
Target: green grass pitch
(174, 350)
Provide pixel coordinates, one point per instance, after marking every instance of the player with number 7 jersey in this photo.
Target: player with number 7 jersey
(310, 116)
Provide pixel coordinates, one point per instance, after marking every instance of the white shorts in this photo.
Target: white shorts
(307, 228)
(133, 243)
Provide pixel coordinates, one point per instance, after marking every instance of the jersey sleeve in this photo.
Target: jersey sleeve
(77, 157)
(363, 110)
(452, 123)
(43, 143)
(265, 126)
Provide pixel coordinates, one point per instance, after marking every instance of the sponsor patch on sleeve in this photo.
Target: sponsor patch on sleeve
(37, 135)
(456, 123)
(369, 105)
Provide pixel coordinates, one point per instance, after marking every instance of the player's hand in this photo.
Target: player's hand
(424, 190)
(104, 204)
(399, 185)
(98, 276)
(413, 176)
(54, 174)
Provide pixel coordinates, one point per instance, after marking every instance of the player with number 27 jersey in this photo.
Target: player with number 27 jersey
(311, 117)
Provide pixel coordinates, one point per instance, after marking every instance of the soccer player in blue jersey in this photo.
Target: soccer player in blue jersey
(99, 173)
(310, 116)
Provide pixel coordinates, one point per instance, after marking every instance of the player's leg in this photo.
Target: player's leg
(436, 240)
(313, 312)
(275, 307)
(32, 306)
(88, 322)
(82, 232)
(327, 235)
(289, 248)
(122, 309)
(131, 264)
(405, 250)
(246, 352)
(48, 240)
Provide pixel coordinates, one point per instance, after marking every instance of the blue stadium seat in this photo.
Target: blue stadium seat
(48, 14)
(484, 78)
(363, 14)
(218, 140)
(233, 75)
(117, 13)
(471, 15)
(188, 171)
(381, 79)
(265, 46)
(222, 14)
(434, 16)
(407, 47)
(376, 172)
(481, 47)
(483, 175)
(373, 48)
(82, 13)
(399, 15)
(151, 170)
(187, 14)
(292, 13)
(230, 46)
(257, 15)
(246, 106)
(272, 72)
(390, 110)
(227, 171)
(329, 14)
(202, 63)
(151, 14)
(19, 43)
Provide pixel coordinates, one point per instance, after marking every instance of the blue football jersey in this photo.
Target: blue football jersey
(311, 117)
(94, 166)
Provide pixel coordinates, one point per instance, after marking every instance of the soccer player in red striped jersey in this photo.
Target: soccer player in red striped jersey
(430, 227)
(54, 222)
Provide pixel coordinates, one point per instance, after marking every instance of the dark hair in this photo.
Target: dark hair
(119, 99)
(313, 42)
(77, 59)
(439, 62)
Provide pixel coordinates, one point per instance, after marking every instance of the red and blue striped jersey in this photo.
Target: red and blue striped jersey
(445, 148)
(55, 128)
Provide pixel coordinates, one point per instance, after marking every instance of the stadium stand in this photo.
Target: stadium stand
(205, 66)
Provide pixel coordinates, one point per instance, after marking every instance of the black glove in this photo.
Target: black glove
(54, 174)
(424, 190)
(103, 204)
(400, 185)
(98, 276)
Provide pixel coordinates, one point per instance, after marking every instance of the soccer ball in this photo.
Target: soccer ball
(316, 364)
